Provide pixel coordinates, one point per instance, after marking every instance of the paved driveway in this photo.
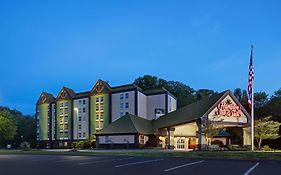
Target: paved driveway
(124, 165)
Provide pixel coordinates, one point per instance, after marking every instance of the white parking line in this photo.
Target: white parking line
(251, 169)
(180, 166)
(135, 163)
(110, 160)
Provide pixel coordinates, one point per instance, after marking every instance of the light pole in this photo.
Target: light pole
(76, 110)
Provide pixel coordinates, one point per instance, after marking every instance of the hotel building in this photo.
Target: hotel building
(128, 117)
(74, 116)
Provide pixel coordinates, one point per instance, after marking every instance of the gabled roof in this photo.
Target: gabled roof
(45, 98)
(100, 87)
(190, 112)
(66, 93)
(128, 124)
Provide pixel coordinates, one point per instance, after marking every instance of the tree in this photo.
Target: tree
(7, 127)
(260, 99)
(241, 95)
(185, 94)
(204, 93)
(265, 128)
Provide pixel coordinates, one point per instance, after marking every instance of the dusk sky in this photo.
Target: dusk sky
(45, 45)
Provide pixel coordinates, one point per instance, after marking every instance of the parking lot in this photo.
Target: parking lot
(123, 165)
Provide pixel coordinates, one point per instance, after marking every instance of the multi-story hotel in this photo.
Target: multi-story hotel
(128, 117)
(77, 116)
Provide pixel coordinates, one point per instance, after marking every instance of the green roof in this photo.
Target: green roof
(128, 124)
(189, 113)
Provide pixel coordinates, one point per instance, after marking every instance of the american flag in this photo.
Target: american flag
(251, 79)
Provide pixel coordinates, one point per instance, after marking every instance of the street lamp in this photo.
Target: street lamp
(76, 110)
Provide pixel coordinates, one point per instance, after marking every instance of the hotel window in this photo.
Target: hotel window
(127, 95)
(66, 126)
(121, 105)
(97, 99)
(101, 107)
(97, 116)
(79, 101)
(79, 134)
(127, 105)
(84, 102)
(97, 107)
(61, 112)
(80, 126)
(84, 110)
(66, 104)
(84, 134)
(121, 96)
(101, 99)
(84, 118)
(141, 139)
(79, 110)
(97, 125)
(61, 104)
(101, 115)
(80, 118)
(101, 124)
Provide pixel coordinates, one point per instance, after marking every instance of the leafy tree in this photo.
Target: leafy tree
(184, 93)
(260, 99)
(7, 127)
(25, 126)
(241, 95)
(265, 128)
(204, 93)
(147, 82)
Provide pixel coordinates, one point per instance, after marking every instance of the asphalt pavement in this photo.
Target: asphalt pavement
(128, 165)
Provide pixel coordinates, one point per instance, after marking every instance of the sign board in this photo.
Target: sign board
(227, 111)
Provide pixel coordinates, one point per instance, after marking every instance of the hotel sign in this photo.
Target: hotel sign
(228, 109)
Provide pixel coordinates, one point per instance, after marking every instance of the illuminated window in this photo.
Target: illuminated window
(101, 124)
(97, 125)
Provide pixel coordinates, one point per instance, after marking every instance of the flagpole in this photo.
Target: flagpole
(252, 116)
(252, 107)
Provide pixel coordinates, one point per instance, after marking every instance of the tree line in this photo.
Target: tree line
(16, 127)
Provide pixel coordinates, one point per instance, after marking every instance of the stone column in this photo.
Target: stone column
(171, 138)
(247, 136)
(202, 140)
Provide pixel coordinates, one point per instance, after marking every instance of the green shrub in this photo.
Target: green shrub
(266, 148)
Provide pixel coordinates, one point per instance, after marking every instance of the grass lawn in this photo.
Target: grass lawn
(244, 155)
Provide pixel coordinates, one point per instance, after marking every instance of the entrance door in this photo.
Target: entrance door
(180, 143)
